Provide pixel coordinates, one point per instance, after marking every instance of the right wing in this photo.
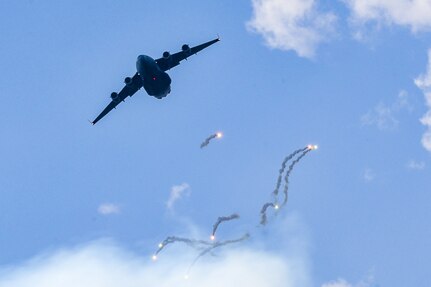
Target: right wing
(129, 90)
(175, 59)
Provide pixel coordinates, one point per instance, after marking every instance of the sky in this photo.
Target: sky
(87, 205)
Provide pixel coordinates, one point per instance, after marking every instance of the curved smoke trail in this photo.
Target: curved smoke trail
(220, 220)
(207, 246)
(197, 244)
(217, 245)
(291, 166)
(263, 216)
(283, 167)
(275, 205)
(208, 139)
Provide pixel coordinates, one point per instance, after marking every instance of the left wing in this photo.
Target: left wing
(132, 86)
(166, 63)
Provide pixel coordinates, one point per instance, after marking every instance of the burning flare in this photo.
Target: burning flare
(312, 147)
(206, 142)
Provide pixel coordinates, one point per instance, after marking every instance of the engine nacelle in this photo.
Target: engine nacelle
(128, 81)
(186, 49)
(166, 55)
(114, 96)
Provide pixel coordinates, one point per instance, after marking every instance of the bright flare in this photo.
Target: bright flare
(276, 207)
(312, 147)
(160, 245)
(154, 257)
(212, 237)
(219, 134)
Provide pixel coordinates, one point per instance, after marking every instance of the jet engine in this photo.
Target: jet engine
(166, 55)
(114, 96)
(128, 81)
(186, 49)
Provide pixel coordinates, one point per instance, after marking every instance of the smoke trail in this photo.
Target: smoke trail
(283, 167)
(205, 246)
(275, 205)
(197, 244)
(220, 220)
(217, 245)
(208, 139)
(289, 170)
(263, 216)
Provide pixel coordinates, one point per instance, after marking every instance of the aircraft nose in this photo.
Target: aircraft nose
(145, 63)
(140, 59)
(140, 63)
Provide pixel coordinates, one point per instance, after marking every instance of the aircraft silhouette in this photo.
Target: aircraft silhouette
(151, 74)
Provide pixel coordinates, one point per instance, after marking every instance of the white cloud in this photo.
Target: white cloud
(108, 208)
(414, 165)
(384, 116)
(414, 14)
(424, 83)
(291, 25)
(343, 283)
(105, 264)
(338, 283)
(177, 191)
(381, 116)
(369, 175)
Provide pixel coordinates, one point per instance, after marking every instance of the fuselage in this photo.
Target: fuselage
(156, 82)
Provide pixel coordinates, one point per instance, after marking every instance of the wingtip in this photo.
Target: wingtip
(218, 37)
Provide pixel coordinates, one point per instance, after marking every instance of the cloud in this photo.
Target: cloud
(338, 283)
(423, 82)
(369, 175)
(343, 283)
(280, 260)
(108, 208)
(381, 116)
(105, 264)
(414, 165)
(294, 25)
(384, 116)
(177, 191)
(414, 14)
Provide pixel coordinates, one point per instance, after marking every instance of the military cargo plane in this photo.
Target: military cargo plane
(151, 74)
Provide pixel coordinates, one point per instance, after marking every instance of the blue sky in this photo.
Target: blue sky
(352, 76)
